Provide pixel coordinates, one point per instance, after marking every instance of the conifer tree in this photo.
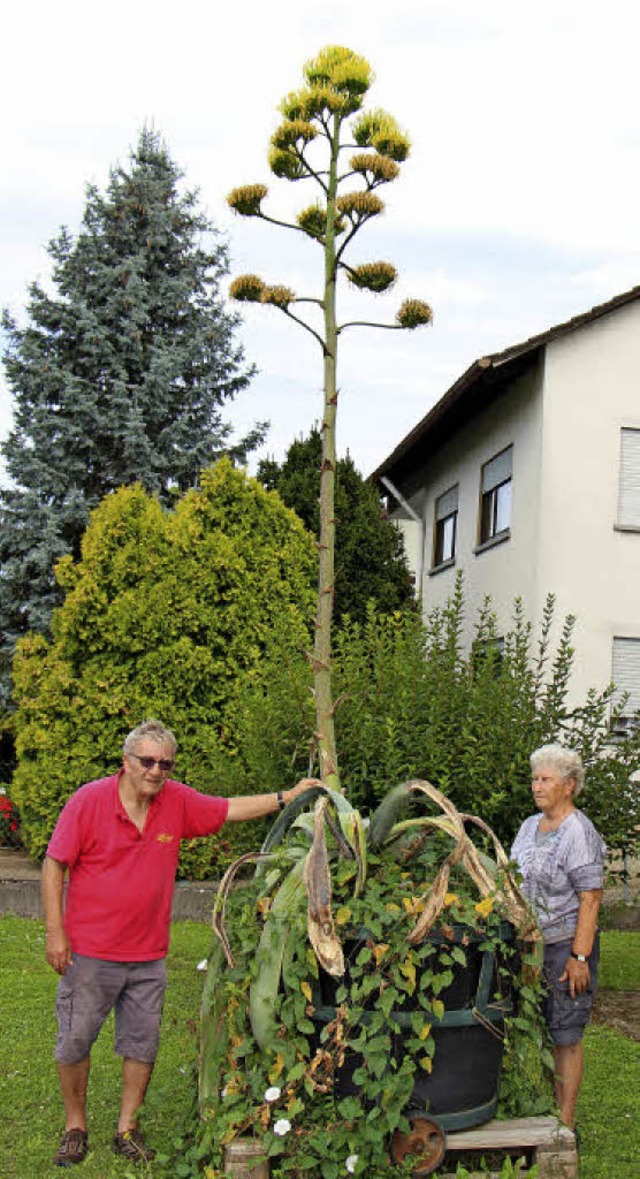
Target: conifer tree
(370, 562)
(325, 138)
(120, 374)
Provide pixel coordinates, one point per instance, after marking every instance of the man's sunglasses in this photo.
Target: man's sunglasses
(148, 763)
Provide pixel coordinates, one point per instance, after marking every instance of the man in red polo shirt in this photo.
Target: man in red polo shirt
(119, 839)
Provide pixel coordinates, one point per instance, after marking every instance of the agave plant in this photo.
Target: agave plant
(329, 871)
(322, 125)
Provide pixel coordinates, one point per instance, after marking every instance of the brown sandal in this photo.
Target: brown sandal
(132, 1145)
(73, 1148)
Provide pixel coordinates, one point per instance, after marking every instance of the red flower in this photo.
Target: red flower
(9, 821)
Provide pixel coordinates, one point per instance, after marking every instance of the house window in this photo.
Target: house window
(445, 527)
(625, 674)
(488, 654)
(495, 505)
(629, 488)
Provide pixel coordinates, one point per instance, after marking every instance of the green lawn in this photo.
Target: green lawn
(608, 1113)
(609, 1109)
(32, 1116)
(620, 963)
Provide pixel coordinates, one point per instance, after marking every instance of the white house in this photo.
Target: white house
(526, 476)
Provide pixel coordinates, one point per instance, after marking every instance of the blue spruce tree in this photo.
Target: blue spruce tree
(120, 375)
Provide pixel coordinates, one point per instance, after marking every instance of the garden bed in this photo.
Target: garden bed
(619, 1010)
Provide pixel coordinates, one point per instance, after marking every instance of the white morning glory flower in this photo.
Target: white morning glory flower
(282, 1127)
(202, 965)
(273, 1093)
(351, 1163)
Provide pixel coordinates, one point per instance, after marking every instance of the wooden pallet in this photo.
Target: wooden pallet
(552, 1144)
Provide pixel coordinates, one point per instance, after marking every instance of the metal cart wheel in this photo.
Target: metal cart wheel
(426, 1141)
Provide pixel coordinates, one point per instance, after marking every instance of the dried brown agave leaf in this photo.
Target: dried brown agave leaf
(516, 905)
(219, 908)
(434, 905)
(317, 879)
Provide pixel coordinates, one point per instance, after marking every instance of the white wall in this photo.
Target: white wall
(412, 539)
(503, 571)
(591, 390)
(563, 420)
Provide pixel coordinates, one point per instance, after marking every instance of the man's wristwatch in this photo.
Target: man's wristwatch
(280, 798)
(578, 957)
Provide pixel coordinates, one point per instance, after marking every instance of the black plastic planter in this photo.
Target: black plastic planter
(462, 1089)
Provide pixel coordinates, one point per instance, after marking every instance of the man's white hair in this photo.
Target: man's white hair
(155, 731)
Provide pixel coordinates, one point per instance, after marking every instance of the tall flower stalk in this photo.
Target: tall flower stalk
(322, 122)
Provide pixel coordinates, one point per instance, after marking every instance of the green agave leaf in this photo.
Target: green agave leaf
(387, 814)
(286, 817)
(263, 993)
(354, 832)
(214, 1035)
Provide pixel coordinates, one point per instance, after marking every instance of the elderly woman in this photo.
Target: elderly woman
(561, 857)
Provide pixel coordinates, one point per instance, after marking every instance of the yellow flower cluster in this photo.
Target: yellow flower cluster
(373, 276)
(359, 204)
(292, 130)
(246, 199)
(374, 166)
(379, 129)
(414, 313)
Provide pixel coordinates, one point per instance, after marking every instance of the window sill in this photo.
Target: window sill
(441, 568)
(491, 543)
(626, 528)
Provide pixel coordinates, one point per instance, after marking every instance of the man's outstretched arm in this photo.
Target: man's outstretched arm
(258, 806)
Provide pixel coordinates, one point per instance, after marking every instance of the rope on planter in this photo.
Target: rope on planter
(488, 1025)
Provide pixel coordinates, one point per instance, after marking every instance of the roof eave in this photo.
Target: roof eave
(497, 366)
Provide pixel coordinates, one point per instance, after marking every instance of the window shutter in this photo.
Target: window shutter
(497, 470)
(626, 673)
(447, 503)
(629, 491)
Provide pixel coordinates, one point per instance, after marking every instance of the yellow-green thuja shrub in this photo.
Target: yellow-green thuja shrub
(165, 614)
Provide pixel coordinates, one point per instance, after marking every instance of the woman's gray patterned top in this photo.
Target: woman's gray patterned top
(556, 867)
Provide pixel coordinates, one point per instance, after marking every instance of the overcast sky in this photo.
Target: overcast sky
(517, 209)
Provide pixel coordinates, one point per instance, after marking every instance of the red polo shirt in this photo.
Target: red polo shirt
(118, 904)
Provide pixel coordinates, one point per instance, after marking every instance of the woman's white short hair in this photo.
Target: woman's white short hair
(566, 763)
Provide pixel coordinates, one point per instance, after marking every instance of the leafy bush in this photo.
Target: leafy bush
(165, 614)
(413, 703)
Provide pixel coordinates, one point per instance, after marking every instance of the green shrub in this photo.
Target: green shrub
(164, 615)
(413, 703)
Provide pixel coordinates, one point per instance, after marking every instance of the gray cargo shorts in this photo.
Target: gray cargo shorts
(566, 1017)
(91, 988)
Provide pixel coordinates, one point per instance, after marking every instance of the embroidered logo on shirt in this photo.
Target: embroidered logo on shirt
(164, 838)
